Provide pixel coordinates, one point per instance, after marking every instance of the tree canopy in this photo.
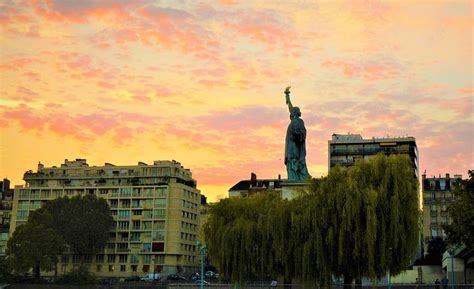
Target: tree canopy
(80, 223)
(34, 246)
(357, 222)
(461, 210)
(83, 221)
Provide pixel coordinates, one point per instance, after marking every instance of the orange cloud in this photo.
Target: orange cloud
(368, 71)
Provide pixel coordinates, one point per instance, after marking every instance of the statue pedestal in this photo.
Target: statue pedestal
(291, 189)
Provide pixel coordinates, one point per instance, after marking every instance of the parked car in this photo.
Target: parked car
(211, 275)
(150, 277)
(176, 278)
(132, 279)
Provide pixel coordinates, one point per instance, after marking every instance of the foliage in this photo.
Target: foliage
(80, 223)
(77, 276)
(356, 222)
(461, 230)
(436, 247)
(83, 221)
(33, 246)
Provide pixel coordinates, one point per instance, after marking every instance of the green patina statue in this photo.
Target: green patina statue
(295, 144)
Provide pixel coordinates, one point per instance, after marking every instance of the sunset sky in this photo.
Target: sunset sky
(202, 82)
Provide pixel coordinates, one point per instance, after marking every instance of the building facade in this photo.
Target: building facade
(437, 195)
(156, 212)
(246, 188)
(345, 150)
(6, 204)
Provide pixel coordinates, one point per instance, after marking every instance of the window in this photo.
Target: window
(99, 258)
(123, 268)
(147, 259)
(148, 192)
(24, 193)
(147, 214)
(99, 268)
(146, 247)
(443, 185)
(35, 205)
(136, 225)
(125, 203)
(111, 259)
(160, 192)
(111, 268)
(135, 237)
(76, 258)
(158, 236)
(433, 220)
(160, 203)
(22, 215)
(160, 213)
(125, 192)
(123, 225)
(134, 259)
(124, 214)
(23, 205)
(65, 259)
(134, 268)
(123, 258)
(113, 203)
(159, 225)
(45, 194)
(146, 225)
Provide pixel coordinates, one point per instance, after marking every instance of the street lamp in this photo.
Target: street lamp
(202, 250)
(153, 264)
(451, 255)
(389, 283)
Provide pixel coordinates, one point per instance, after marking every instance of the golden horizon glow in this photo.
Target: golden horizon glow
(202, 82)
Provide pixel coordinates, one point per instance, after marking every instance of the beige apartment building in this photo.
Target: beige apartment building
(437, 195)
(156, 212)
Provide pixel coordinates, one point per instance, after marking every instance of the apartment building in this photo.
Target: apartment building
(156, 212)
(437, 195)
(345, 150)
(6, 201)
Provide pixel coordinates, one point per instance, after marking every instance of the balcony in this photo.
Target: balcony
(373, 151)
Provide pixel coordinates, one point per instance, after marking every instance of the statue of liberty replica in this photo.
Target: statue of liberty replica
(295, 144)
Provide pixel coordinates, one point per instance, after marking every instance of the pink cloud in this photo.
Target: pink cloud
(84, 127)
(367, 70)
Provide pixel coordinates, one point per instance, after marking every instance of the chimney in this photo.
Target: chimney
(424, 175)
(40, 166)
(253, 179)
(279, 177)
(447, 176)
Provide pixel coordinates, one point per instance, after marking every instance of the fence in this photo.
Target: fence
(231, 286)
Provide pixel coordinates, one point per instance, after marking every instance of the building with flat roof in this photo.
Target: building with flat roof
(156, 212)
(345, 150)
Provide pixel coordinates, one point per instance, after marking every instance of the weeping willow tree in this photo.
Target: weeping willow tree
(362, 221)
(367, 218)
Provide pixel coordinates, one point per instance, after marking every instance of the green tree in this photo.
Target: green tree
(461, 230)
(436, 247)
(33, 247)
(83, 221)
(357, 222)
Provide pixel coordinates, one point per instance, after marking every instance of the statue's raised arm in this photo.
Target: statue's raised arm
(288, 100)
